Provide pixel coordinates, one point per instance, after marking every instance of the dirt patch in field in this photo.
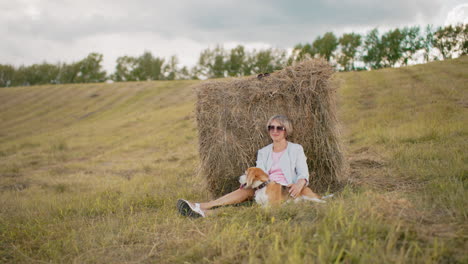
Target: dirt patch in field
(367, 101)
(370, 169)
(367, 168)
(15, 187)
(366, 163)
(463, 103)
(126, 174)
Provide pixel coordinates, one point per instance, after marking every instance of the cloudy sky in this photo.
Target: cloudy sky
(33, 31)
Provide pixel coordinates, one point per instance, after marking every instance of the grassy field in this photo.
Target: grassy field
(91, 174)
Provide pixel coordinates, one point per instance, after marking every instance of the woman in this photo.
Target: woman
(283, 161)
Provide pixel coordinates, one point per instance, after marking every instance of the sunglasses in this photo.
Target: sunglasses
(278, 128)
(261, 75)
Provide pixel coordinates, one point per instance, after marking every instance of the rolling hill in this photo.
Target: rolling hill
(91, 173)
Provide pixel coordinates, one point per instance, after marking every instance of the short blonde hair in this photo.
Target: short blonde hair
(284, 121)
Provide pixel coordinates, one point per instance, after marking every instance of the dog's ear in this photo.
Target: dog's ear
(250, 177)
(261, 175)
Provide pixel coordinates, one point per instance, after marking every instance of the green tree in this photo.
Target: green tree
(349, 44)
(235, 65)
(268, 60)
(36, 74)
(412, 42)
(143, 68)
(125, 69)
(373, 50)
(212, 63)
(68, 73)
(391, 47)
(263, 61)
(149, 67)
(7, 73)
(301, 52)
(184, 74)
(464, 38)
(203, 67)
(325, 46)
(451, 40)
(249, 63)
(219, 66)
(170, 69)
(51, 71)
(90, 69)
(445, 41)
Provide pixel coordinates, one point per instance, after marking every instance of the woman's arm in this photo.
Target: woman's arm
(260, 161)
(302, 170)
(302, 173)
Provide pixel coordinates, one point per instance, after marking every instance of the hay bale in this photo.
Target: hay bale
(232, 113)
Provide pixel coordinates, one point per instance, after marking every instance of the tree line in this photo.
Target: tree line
(351, 51)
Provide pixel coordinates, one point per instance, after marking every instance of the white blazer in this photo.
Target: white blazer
(293, 162)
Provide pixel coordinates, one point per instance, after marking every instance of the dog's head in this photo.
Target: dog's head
(252, 178)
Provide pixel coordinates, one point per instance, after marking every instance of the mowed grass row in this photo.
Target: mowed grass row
(91, 174)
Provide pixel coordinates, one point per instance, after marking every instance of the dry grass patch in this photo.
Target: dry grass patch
(111, 198)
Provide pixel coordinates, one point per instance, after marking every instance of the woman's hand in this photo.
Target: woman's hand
(296, 188)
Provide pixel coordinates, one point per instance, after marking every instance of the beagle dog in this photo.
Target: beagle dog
(269, 192)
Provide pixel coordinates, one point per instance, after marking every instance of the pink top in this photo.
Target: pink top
(276, 174)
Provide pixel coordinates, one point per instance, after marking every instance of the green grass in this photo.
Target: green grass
(91, 173)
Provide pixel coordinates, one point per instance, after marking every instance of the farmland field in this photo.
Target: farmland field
(91, 173)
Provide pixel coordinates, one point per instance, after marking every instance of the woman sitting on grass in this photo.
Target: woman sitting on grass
(283, 161)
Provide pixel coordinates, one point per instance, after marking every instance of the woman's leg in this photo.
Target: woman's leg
(235, 197)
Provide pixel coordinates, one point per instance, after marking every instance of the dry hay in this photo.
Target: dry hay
(231, 117)
(368, 168)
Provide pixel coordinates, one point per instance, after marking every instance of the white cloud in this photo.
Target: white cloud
(67, 30)
(458, 14)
